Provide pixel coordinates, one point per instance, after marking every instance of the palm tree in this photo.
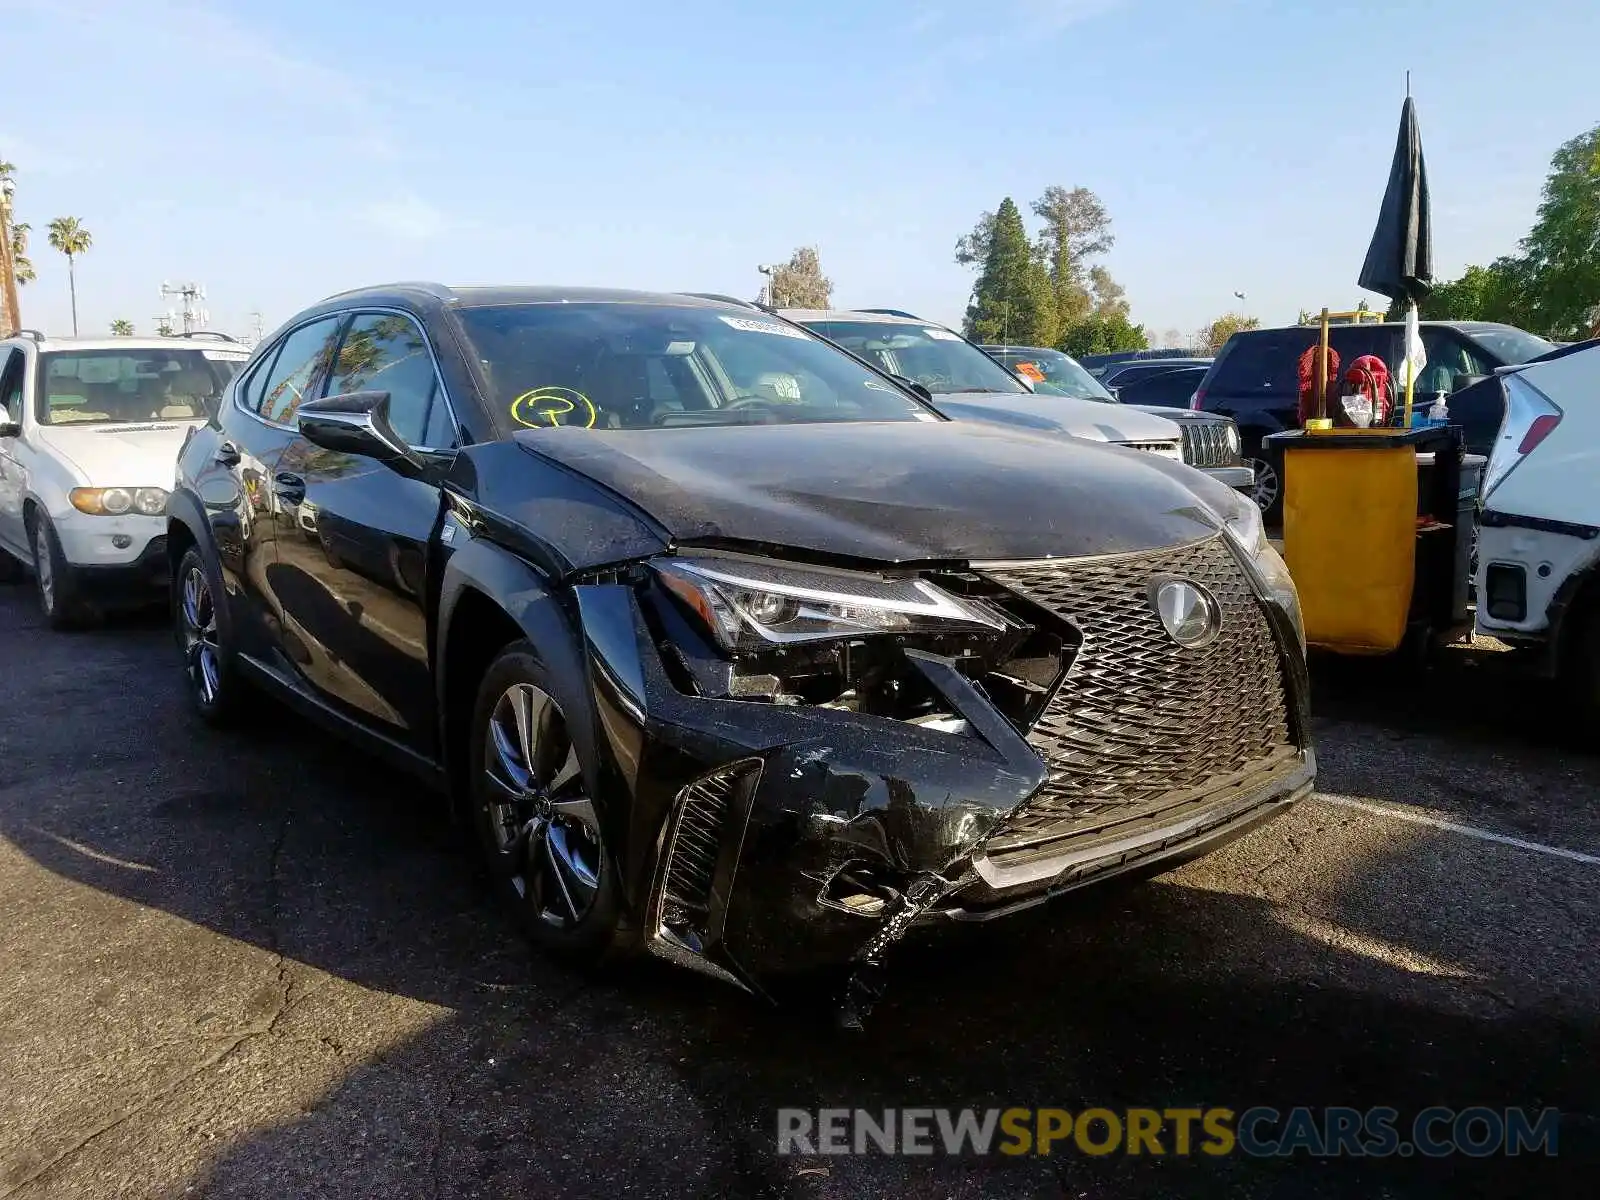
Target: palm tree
(72, 239)
(122, 327)
(19, 253)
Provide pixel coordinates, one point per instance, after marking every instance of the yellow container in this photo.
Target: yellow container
(1350, 535)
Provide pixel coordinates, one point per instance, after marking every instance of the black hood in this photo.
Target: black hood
(890, 492)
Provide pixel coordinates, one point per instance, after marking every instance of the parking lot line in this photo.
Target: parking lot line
(1418, 818)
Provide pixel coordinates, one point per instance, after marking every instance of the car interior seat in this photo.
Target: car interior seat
(186, 394)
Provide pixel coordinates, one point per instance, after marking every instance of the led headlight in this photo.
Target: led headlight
(750, 604)
(118, 501)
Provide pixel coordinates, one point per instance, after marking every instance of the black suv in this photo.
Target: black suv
(1256, 378)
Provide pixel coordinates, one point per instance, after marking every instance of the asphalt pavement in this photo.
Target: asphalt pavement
(256, 964)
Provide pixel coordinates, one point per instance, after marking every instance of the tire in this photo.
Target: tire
(11, 568)
(537, 828)
(1578, 665)
(55, 582)
(204, 633)
(1269, 481)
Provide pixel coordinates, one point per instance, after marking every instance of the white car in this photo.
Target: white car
(88, 449)
(1538, 575)
(965, 384)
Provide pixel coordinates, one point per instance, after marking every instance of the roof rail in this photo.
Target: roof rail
(209, 333)
(32, 334)
(892, 312)
(720, 296)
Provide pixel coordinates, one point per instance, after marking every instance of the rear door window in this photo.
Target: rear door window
(1267, 363)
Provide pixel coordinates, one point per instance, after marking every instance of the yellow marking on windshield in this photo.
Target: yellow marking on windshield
(548, 407)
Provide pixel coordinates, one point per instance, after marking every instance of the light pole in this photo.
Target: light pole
(8, 261)
(767, 269)
(1239, 296)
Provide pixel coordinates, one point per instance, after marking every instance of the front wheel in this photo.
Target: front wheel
(536, 824)
(55, 582)
(200, 625)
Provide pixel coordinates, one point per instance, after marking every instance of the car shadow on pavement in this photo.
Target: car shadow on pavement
(533, 1079)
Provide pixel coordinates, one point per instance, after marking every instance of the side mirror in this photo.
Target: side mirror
(10, 429)
(1462, 382)
(358, 423)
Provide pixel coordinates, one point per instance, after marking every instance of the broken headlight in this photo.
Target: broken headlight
(749, 605)
(793, 634)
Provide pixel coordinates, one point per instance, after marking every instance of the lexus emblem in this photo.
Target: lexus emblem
(1188, 612)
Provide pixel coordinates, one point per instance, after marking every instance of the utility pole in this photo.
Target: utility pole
(8, 264)
(189, 292)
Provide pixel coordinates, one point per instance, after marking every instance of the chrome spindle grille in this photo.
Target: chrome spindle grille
(1140, 720)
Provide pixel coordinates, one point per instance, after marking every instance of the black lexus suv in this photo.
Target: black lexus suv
(728, 647)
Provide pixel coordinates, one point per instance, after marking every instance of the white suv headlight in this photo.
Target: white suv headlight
(119, 501)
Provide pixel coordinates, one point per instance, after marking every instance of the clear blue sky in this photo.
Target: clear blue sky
(279, 152)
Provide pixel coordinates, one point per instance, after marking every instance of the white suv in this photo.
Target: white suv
(1538, 576)
(89, 442)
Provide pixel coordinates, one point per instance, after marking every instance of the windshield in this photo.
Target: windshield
(642, 366)
(1512, 346)
(1063, 376)
(121, 387)
(943, 362)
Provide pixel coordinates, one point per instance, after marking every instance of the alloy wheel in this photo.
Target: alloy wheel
(44, 567)
(538, 811)
(201, 647)
(1266, 490)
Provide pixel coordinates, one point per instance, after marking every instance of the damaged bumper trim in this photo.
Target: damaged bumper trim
(1170, 844)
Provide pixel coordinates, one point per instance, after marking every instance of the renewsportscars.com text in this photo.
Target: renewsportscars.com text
(1331, 1132)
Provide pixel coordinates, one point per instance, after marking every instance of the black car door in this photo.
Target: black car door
(351, 575)
(235, 482)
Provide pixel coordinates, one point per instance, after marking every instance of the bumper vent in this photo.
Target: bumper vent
(1205, 444)
(700, 821)
(1142, 724)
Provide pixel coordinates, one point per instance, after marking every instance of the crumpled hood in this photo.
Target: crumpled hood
(142, 455)
(1093, 420)
(892, 491)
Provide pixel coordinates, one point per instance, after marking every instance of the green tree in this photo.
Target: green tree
(1561, 254)
(1076, 229)
(122, 327)
(1102, 335)
(1012, 302)
(1214, 336)
(19, 253)
(68, 235)
(800, 283)
(1492, 293)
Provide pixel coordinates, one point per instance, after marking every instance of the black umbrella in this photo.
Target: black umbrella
(1400, 260)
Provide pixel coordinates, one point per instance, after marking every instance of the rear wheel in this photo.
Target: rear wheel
(537, 826)
(1269, 482)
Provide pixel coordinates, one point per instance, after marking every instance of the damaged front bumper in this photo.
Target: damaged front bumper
(765, 839)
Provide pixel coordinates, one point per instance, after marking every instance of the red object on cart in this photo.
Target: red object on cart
(1369, 376)
(1308, 381)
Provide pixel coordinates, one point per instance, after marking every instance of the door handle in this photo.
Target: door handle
(227, 455)
(291, 488)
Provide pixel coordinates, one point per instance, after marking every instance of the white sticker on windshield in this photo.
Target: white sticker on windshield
(942, 335)
(750, 326)
(226, 355)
